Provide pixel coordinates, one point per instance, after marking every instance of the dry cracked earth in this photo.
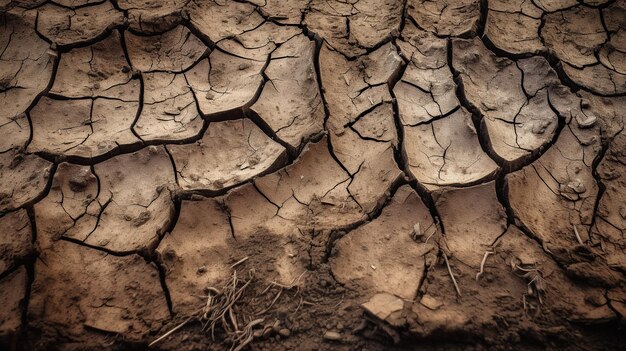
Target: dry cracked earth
(312, 174)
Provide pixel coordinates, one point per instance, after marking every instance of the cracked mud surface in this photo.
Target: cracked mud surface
(382, 175)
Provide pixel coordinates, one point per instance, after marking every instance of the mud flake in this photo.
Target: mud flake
(169, 111)
(113, 215)
(99, 299)
(473, 220)
(371, 244)
(85, 128)
(23, 178)
(175, 50)
(286, 12)
(66, 27)
(259, 43)
(25, 72)
(96, 70)
(12, 296)
(292, 76)
(573, 34)
(220, 85)
(513, 26)
(446, 152)
(152, 17)
(219, 21)
(313, 190)
(201, 238)
(201, 168)
(370, 23)
(15, 241)
(446, 18)
(563, 186)
(517, 125)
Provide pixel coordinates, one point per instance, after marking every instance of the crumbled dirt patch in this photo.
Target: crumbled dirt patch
(312, 174)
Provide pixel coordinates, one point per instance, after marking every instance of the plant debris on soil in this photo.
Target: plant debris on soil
(312, 174)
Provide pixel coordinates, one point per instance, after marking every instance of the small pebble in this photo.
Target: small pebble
(285, 333)
(331, 335)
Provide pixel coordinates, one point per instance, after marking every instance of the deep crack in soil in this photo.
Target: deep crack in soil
(312, 174)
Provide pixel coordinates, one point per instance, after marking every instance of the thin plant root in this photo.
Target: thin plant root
(239, 262)
(281, 288)
(172, 331)
(220, 312)
(580, 241)
(534, 277)
(431, 234)
(482, 264)
(246, 336)
(456, 286)
(298, 308)
(280, 291)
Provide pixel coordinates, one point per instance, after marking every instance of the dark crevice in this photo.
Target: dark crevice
(163, 280)
(139, 107)
(598, 179)
(30, 269)
(482, 20)
(427, 198)
(399, 153)
(436, 118)
(169, 154)
(226, 209)
(103, 249)
(318, 73)
(79, 6)
(153, 256)
(404, 16)
(364, 113)
(198, 33)
(256, 187)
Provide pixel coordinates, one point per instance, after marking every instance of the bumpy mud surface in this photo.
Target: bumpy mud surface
(312, 174)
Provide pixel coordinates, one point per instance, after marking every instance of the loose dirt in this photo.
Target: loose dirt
(312, 174)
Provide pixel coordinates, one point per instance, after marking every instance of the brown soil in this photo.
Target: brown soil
(312, 174)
